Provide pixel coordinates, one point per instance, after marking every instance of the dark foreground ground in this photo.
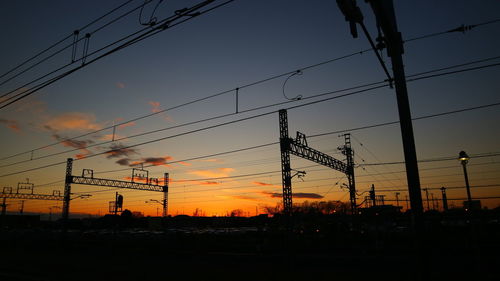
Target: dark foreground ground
(199, 249)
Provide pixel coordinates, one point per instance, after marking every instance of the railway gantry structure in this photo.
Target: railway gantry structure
(7, 193)
(299, 147)
(87, 178)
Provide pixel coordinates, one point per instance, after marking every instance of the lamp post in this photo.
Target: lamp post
(464, 159)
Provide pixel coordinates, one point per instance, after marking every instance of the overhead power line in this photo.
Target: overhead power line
(73, 60)
(248, 85)
(256, 116)
(261, 115)
(462, 28)
(226, 115)
(63, 39)
(271, 112)
(179, 17)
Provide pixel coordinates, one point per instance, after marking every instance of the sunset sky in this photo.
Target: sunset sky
(233, 46)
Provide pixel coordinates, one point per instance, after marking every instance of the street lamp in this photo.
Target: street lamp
(464, 159)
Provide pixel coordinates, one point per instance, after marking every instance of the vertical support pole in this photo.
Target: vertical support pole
(4, 206)
(166, 180)
(384, 12)
(372, 196)
(114, 130)
(21, 211)
(67, 189)
(427, 198)
(349, 153)
(467, 186)
(116, 204)
(285, 163)
(237, 92)
(445, 200)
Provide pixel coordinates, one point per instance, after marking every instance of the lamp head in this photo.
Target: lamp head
(463, 157)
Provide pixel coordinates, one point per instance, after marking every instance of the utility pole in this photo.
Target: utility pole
(21, 211)
(427, 198)
(433, 202)
(372, 196)
(386, 20)
(116, 204)
(445, 200)
(384, 12)
(4, 206)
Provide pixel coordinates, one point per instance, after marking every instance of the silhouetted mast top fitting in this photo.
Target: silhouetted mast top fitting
(299, 147)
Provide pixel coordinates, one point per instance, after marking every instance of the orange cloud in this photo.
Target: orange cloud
(11, 124)
(195, 182)
(129, 124)
(108, 137)
(243, 197)
(221, 172)
(155, 106)
(82, 155)
(212, 160)
(183, 163)
(262, 183)
(157, 161)
(73, 121)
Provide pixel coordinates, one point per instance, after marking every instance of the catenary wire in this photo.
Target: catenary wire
(288, 73)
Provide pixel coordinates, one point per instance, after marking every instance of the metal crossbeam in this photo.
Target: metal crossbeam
(116, 183)
(87, 178)
(32, 196)
(298, 149)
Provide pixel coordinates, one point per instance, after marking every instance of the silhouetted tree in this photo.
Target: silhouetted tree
(236, 213)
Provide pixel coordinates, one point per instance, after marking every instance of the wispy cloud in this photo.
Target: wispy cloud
(197, 182)
(11, 124)
(295, 195)
(129, 124)
(155, 106)
(123, 162)
(212, 160)
(72, 121)
(154, 161)
(119, 150)
(157, 161)
(79, 144)
(217, 173)
(108, 137)
(244, 197)
(259, 183)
